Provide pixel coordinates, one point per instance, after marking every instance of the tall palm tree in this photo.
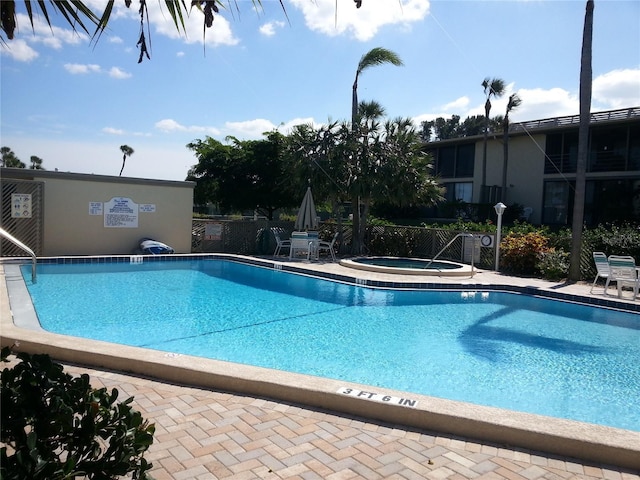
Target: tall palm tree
(127, 151)
(493, 87)
(375, 56)
(513, 103)
(583, 143)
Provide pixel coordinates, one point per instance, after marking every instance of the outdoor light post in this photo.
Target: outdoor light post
(499, 208)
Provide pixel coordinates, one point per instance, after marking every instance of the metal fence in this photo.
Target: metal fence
(26, 226)
(255, 238)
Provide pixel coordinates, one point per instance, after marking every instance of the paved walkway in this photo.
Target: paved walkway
(203, 434)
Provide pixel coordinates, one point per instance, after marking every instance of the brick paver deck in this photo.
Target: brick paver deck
(203, 434)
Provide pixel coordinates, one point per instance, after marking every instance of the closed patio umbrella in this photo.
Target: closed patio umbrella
(307, 218)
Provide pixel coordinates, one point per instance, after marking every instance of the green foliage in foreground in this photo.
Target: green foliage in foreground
(55, 426)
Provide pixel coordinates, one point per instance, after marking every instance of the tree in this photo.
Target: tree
(36, 163)
(513, 103)
(9, 159)
(243, 175)
(444, 129)
(583, 143)
(493, 87)
(127, 151)
(375, 56)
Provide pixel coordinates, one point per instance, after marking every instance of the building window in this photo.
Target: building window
(459, 192)
(455, 161)
(606, 201)
(561, 153)
(608, 152)
(611, 149)
(556, 203)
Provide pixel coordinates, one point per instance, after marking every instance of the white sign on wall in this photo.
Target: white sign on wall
(148, 207)
(20, 205)
(95, 208)
(121, 212)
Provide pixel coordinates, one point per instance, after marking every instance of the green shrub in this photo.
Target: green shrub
(519, 253)
(55, 426)
(554, 264)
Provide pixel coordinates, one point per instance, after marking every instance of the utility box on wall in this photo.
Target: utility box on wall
(102, 215)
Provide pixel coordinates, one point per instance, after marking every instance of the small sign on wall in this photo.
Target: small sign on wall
(20, 205)
(121, 212)
(148, 207)
(213, 231)
(95, 208)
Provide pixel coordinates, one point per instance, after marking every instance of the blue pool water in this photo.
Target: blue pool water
(490, 348)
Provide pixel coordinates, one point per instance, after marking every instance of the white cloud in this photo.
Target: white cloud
(113, 131)
(362, 23)
(81, 69)
(269, 29)
(19, 50)
(116, 72)
(219, 34)
(458, 104)
(249, 129)
(115, 39)
(169, 125)
(617, 89)
(50, 35)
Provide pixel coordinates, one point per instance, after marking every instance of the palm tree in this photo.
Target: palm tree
(513, 103)
(79, 14)
(36, 163)
(493, 87)
(583, 143)
(375, 56)
(127, 151)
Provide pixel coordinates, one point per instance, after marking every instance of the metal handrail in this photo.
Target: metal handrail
(21, 245)
(447, 246)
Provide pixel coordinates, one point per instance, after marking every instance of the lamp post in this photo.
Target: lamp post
(499, 208)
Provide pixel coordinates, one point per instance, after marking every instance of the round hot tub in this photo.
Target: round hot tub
(408, 266)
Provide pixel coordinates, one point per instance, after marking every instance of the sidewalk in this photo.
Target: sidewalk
(203, 434)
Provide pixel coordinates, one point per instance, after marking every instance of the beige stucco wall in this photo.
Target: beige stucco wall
(526, 173)
(525, 170)
(70, 229)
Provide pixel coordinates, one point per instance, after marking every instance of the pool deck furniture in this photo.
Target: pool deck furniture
(328, 246)
(624, 272)
(305, 243)
(280, 243)
(602, 267)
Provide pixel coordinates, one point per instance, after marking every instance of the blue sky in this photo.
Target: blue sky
(73, 103)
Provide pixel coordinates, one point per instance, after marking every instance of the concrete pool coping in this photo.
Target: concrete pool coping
(591, 442)
(460, 270)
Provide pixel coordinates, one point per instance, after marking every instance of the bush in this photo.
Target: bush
(554, 264)
(519, 253)
(55, 426)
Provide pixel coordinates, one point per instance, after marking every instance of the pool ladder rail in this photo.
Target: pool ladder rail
(467, 235)
(19, 244)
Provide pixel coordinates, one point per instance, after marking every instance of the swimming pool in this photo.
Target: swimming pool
(490, 348)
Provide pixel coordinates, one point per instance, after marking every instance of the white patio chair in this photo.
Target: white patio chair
(624, 272)
(328, 246)
(602, 266)
(280, 244)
